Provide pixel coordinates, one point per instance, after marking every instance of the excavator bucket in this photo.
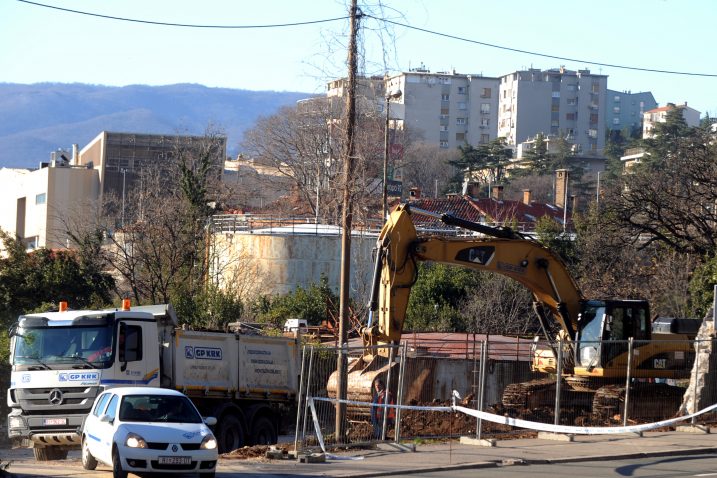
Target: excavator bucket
(361, 377)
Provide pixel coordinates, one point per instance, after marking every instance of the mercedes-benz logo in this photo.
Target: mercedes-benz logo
(56, 396)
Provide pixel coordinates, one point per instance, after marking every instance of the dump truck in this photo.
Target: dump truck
(593, 364)
(62, 360)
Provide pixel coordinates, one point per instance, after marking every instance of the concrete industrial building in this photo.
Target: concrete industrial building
(35, 204)
(554, 102)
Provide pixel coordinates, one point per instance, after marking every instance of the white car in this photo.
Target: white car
(148, 430)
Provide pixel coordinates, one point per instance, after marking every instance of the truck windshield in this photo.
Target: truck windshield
(48, 346)
(590, 335)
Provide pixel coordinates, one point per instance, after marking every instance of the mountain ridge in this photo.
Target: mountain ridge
(39, 118)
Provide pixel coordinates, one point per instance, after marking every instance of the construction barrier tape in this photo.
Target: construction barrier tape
(517, 422)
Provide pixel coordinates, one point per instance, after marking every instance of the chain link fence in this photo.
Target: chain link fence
(639, 382)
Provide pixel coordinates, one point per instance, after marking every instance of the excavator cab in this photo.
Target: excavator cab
(604, 327)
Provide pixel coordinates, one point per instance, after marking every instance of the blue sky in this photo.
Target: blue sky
(45, 45)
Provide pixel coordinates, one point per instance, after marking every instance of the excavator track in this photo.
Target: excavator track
(526, 394)
(657, 401)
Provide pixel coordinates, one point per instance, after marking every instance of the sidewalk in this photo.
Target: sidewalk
(386, 460)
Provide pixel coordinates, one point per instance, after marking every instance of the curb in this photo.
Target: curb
(519, 462)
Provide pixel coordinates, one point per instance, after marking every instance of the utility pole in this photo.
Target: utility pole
(346, 213)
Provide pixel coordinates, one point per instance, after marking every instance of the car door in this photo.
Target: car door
(106, 430)
(92, 422)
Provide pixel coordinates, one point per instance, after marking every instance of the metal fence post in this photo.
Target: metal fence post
(391, 353)
(298, 403)
(627, 381)
(399, 398)
(476, 390)
(558, 381)
(306, 399)
(483, 362)
(694, 388)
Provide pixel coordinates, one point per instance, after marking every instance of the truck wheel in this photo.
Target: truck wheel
(263, 432)
(47, 453)
(117, 471)
(230, 434)
(88, 461)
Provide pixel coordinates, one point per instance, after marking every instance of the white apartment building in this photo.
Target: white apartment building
(446, 109)
(554, 102)
(659, 115)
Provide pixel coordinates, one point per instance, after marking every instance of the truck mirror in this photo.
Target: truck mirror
(106, 418)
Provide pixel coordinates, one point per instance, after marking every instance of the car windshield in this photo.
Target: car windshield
(158, 408)
(62, 345)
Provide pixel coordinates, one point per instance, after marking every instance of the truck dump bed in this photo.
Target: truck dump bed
(238, 366)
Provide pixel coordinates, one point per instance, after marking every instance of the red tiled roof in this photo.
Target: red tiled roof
(486, 210)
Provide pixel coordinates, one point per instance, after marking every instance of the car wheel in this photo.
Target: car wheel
(117, 471)
(88, 461)
(263, 432)
(230, 434)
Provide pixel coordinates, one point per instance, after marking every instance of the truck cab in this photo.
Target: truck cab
(62, 360)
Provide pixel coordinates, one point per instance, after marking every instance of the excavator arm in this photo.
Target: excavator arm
(400, 249)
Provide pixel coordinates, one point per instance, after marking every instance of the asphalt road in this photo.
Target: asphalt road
(658, 467)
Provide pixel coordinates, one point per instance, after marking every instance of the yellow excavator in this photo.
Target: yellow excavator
(590, 365)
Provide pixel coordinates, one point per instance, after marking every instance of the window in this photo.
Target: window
(444, 111)
(556, 94)
(485, 93)
(444, 128)
(592, 132)
(571, 116)
(555, 123)
(444, 117)
(484, 138)
(572, 87)
(554, 108)
(461, 90)
(485, 108)
(460, 121)
(460, 136)
(41, 198)
(485, 121)
(445, 97)
(461, 105)
(616, 109)
(112, 407)
(616, 121)
(132, 349)
(617, 99)
(593, 117)
(101, 404)
(444, 144)
(572, 101)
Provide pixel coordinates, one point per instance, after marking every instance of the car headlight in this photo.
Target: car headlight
(208, 442)
(135, 441)
(15, 422)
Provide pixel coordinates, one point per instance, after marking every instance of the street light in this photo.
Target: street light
(389, 96)
(124, 177)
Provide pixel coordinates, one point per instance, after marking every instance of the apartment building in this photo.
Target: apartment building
(554, 102)
(624, 109)
(659, 115)
(446, 109)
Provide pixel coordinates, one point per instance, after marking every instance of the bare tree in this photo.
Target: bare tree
(427, 167)
(499, 306)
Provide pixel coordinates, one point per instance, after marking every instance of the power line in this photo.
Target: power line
(185, 25)
(544, 55)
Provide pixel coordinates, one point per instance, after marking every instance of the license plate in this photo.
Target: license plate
(175, 460)
(54, 421)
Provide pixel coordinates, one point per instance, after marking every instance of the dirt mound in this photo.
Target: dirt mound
(256, 451)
